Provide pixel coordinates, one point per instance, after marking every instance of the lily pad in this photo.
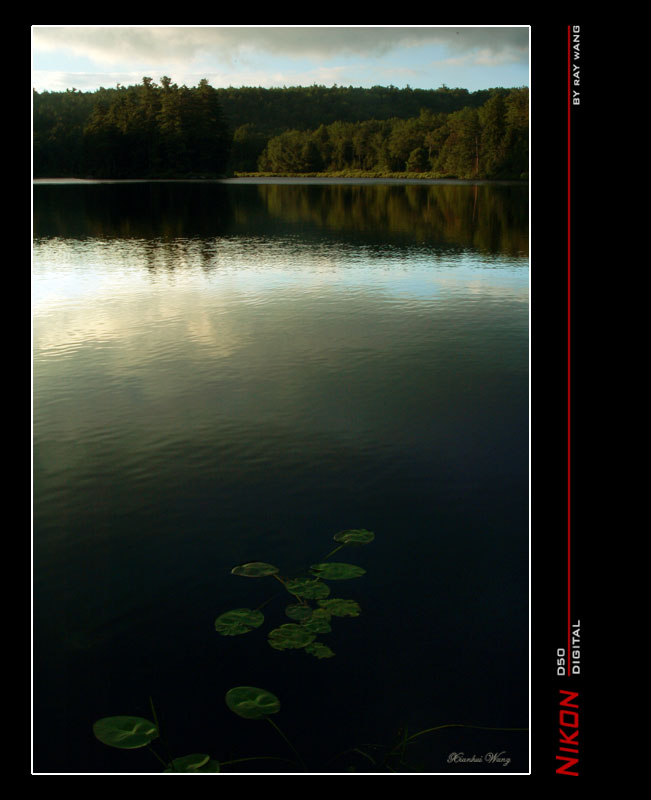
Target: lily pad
(290, 637)
(310, 588)
(127, 733)
(238, 621)
(298, 612)
(341, 608)
(319, 650)
(334, 571)
(357, 536)
(255, 569)
(197, 763)
(321, 613)
(317, 625)
(252, 703)
(319, 622)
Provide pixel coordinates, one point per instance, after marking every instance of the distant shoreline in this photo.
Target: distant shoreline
(291, 179)
(332, 179)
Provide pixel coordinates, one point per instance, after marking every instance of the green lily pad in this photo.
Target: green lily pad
(360, 536)
(319, 650)
(290, 637)
(238, 621)
(310, 588)
(321, 613)
(255, 569)
(298, 612)
(317, 625)
(127, 733)
(319, 622)
(333, 571)
(197, 763)
(341, 608)
(252, 703)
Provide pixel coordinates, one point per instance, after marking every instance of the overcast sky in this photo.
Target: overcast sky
(473, 58)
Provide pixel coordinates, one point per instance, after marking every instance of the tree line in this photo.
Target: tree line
(148, 130)
(163, 130)
(310, 106)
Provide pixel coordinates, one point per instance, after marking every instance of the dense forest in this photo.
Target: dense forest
(162, 131)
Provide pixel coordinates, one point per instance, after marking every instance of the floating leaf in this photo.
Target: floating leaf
(317, 625)
(319, 650)
(333, 571)
(238, 621)
(255, 569)
(311, 588)
(341, 608)
(197, 763)
(290, 637)
(360, 536)
(127, 733)
(298, 612)
(252, 703)
(319, 621)
(321, 613)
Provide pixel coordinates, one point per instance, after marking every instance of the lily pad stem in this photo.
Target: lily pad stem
(332, 552)
(257, 758)
(268, 600)
(405, 741)
(354, 750)
(153, 752)
(295, 751)
(160, 733)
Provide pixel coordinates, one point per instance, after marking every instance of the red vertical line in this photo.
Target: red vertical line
(569, 108)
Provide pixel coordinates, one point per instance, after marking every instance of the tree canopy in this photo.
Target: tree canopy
(163, 130)
(142, 131)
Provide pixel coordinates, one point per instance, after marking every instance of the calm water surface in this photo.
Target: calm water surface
(226, 373)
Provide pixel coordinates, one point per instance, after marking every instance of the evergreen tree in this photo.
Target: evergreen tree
(164, 130)
(492, 116)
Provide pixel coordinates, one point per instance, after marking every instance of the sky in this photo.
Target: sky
(423, 57)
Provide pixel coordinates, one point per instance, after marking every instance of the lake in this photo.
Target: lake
(228, 372)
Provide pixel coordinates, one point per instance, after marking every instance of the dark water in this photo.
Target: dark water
(226, 373)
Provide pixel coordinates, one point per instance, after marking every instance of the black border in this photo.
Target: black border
(560, 191)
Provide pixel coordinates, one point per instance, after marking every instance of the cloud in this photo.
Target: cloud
(169, 45)
(483, 57)
(59, 81)
(487, 57)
